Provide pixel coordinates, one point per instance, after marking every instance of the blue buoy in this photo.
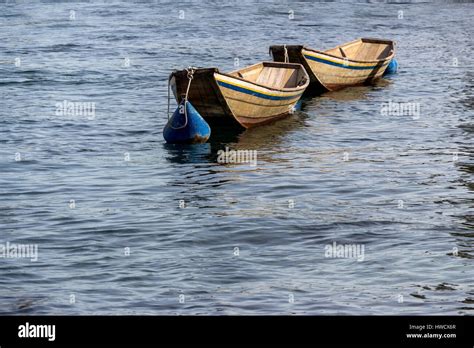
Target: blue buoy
(186, 126)
(392, 67)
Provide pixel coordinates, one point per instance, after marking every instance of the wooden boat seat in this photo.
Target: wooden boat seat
(278, 77)
(271, 76)
(362, 50)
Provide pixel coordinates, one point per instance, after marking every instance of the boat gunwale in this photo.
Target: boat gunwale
(354, 60)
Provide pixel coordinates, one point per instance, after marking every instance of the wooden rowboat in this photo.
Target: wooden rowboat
(358, 62)
(251, 96)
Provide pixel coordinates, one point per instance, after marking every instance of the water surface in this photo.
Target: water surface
(88, 188)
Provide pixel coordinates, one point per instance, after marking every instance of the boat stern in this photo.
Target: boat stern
(294, 54)
(203, 92)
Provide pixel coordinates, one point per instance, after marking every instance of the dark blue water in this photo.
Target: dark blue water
(99, 195)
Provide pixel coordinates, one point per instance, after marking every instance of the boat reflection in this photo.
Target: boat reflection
(356, 92)
(187, 153)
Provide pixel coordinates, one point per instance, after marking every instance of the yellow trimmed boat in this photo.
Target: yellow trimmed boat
(357, 62)
(251, 96)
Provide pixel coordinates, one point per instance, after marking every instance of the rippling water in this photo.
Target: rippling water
(84, 189)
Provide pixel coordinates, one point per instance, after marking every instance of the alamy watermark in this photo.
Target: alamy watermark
(17, 251)
(76, 109)
(393, 108)
(237, 156)
(345, 251)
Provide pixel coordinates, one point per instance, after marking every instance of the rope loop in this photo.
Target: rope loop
(168, 90)
(190, 74)
(287, 59)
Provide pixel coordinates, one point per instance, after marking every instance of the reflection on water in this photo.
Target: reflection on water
(188, 153)
(269, 136)
(261, 139)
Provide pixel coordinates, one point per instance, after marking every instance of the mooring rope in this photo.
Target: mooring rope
(168, 113)
(190, 74)
(287, 59)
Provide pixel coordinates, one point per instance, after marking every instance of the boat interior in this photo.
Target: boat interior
(273, 75)
(363, 50)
